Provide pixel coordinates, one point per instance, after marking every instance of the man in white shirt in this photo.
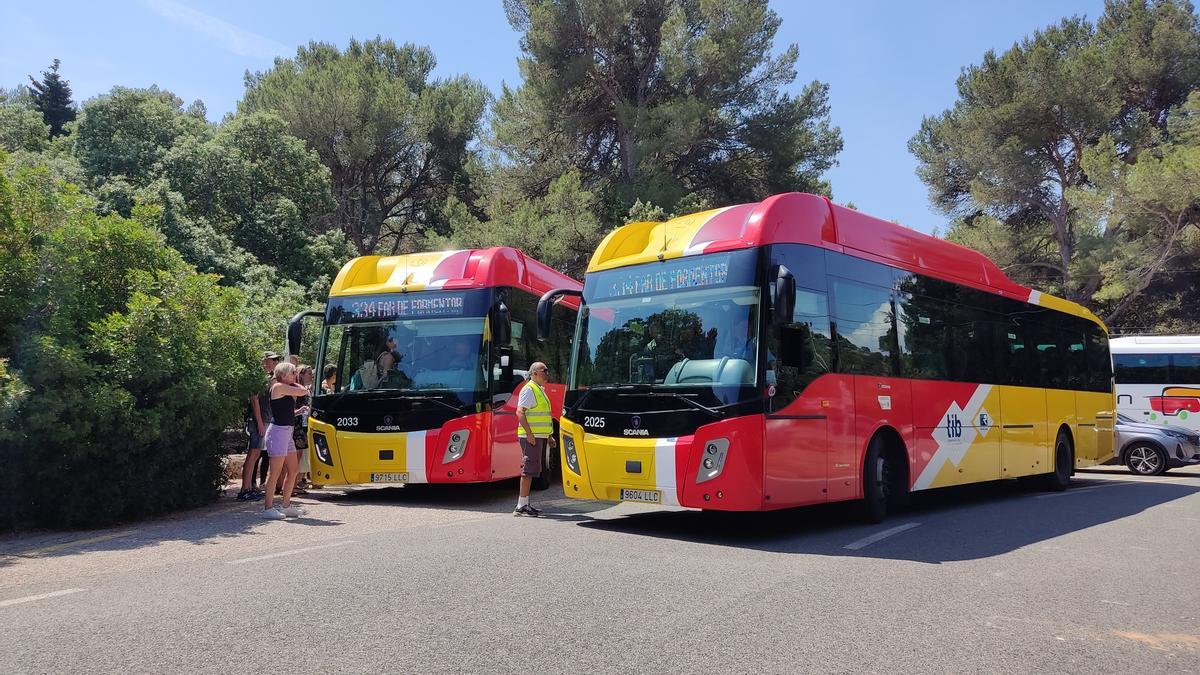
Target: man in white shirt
(536, 430)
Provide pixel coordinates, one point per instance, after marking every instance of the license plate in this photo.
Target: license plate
(389, 477)
(652, 496)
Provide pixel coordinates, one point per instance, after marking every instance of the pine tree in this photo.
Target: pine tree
(52, 97)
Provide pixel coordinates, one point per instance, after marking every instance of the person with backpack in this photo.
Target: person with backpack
(258, 416)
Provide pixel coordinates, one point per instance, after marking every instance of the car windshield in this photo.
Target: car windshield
(688, 338)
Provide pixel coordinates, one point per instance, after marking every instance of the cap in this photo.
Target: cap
(271, 355)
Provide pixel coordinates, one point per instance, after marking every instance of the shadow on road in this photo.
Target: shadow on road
(499, 497)
(207, 525)
(961, 523)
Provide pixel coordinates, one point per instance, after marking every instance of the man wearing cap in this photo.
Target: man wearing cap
(536, 431)
(258, 416)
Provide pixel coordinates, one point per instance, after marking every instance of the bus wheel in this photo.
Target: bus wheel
(1145, 459)
(1060, 479)
(549, 469)
(877, 482)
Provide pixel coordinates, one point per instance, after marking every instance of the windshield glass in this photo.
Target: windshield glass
(689, 338)
(417, 355)
(416, 342)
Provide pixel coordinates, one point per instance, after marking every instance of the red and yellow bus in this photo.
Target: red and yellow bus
(794, 352)
(430, 350)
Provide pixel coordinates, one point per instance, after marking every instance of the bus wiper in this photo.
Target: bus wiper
(670, 394)
(607, 386)
(431, 399)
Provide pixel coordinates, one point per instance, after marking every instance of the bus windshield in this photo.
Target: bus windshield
(704, 337)
(421, 342)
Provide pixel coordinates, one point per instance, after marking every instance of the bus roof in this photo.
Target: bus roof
(471, 268)
(802, 218)
(1155, 344)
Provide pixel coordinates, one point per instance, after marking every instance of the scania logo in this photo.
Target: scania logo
(636, 421)
(387, 420)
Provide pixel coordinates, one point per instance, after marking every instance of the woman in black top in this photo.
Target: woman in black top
(281, 447)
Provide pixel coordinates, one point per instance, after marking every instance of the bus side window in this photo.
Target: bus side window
(866, 334)
(1142, 368)
(1185, 369)
(1099, 361)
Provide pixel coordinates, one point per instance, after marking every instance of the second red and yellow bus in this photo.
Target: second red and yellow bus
(794, 352)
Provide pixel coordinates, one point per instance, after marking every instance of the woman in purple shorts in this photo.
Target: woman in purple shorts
(280, 447)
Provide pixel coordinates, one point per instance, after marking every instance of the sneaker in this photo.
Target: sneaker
(273, 514)
(527, 511)
(255, 494)
(245, 496)
(293, 511)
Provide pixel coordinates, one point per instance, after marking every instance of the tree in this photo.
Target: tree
(52, 98)
(1154, 203)
(560, 230)
(1010, 154)
(126, 367)
(21, 128)
(656, 99)
(258, 185)
(396, 142)
(127, 131)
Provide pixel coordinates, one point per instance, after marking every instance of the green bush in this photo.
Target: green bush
(126, 370)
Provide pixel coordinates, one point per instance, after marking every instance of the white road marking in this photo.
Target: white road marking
(1114, 602)
(295, 551)
(43, 596)
(1072, 491)
(879, 536)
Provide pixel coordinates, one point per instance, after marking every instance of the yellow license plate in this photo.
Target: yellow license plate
(651, 496)
(389, 477)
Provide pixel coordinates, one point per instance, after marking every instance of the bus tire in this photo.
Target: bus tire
(1064, 460)
(1145, 459)
(877, 479)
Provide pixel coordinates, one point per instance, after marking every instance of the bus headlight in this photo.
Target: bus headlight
(321, 446)
(571, 455)
(712, 461)
(456, 446)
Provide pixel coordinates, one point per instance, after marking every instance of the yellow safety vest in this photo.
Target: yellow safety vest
(539, 418)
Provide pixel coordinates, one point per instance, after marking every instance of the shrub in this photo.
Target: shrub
(130, 365)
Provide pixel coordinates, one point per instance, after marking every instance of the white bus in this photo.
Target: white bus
(1158, 378)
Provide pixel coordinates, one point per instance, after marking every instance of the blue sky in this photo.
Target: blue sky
(887, 63)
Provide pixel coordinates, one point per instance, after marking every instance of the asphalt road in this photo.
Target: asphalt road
(1099, 579)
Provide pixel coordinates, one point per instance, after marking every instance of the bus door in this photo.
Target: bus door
(801, 396)
(1024, 448)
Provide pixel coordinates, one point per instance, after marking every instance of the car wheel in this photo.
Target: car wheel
(1145, 459)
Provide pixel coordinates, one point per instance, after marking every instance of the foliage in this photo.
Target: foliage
(127, 367)
(1018, 159)
(395, 141)
(52, 97)
(22, 128)
(656, 99)
(560, 230)
(128, 131)
(258, 186)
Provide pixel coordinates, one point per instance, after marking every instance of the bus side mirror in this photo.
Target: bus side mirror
(546, 304)
(295, 330)
(784, 301)
(502, 326)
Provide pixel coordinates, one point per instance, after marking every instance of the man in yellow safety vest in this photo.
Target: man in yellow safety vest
(536, 430)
